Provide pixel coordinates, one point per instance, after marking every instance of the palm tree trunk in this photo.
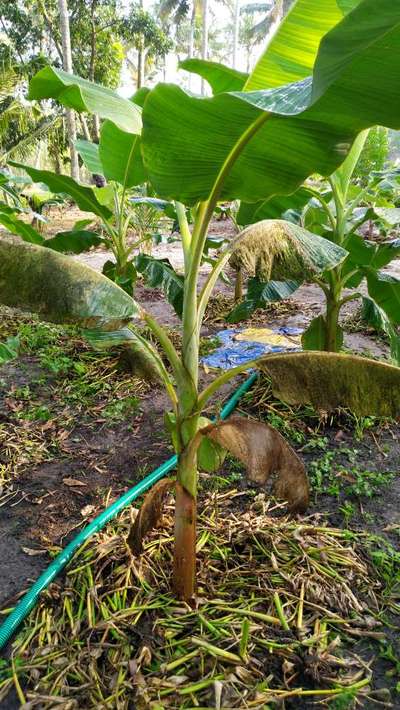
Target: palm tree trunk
(67, 65)
(236, 34)
(191, 39)
(141, 61)
(191, 33)
(85, 127)
(204, 40)
(92, 66)
(278, 11)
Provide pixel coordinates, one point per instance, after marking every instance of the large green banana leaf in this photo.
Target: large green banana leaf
(74, 241)
(60, 289)
(120, 156)
(275, 208)
(364, 254)
(220, 77)
(289, 131)
(83, 95)
(117, 156)
(84, 196)
(89, 153)
(291, 53)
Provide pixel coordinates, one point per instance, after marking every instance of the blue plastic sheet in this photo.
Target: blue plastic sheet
(233, 351)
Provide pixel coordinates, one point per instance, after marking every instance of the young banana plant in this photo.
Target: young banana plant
(335, 211)
(118, 158)
(298, 113)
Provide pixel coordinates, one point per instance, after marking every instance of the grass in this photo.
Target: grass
(121, 409)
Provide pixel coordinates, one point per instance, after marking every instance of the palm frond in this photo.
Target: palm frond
(261, 29)
(23, 146)
(254, 7)
(8, 81)
(173, 8)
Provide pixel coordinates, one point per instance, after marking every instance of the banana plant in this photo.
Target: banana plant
(329, 72)
(334, 210)
(118, 159)
(364, 261)
(115, 207)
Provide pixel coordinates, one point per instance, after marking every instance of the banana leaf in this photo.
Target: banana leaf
(343, 83)
(331, 380)
(220, 77)
(60, 289)
(89, 153)
(84, 196)
(83, 95)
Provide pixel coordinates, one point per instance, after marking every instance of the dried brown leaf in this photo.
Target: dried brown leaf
(73, 482)
(87, 510)
(149, 514)
(264, 452)
(32, 553)
(144, 658)
(132, 666)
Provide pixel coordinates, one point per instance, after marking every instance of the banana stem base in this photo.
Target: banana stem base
(185, 545)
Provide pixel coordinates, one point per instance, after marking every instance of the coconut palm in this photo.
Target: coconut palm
(67, 65)
(272, 11)
(178, 10)
(22, 125)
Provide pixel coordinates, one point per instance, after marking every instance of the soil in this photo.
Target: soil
(101, 455)
(78, 458)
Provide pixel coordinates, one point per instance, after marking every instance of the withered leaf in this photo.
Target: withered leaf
(281, 250)
(264, 452)
(73, 482)
(87, 510)
(331, 380)
(149, 514)
(32, 553)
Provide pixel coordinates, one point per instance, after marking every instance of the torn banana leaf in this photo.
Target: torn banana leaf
(331, 380)
(138, 356)
(220, 77)
(264, 452)
(60, 289)
(280, 250)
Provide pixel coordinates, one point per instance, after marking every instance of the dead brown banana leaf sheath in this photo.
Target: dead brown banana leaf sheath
(264, 452)
(149, 514)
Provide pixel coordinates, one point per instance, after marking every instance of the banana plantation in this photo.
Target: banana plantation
(199, 354)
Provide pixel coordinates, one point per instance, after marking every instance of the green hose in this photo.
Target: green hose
(30, 599)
